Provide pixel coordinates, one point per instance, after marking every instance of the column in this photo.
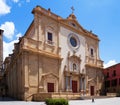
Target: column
(66, 83)
(80, 84)
(84, 85)
(70, 83)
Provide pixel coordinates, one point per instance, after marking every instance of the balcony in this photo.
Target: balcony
(94, 62)
(70, 73)
(40, 46)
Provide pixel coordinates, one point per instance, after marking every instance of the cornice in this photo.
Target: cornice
(48, 13)
(94, 66)
(42, 53)
(83, 33)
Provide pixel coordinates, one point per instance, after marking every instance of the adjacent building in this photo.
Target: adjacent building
(54, 56)
(112, 78)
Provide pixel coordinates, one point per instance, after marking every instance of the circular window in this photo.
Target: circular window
(73, 41)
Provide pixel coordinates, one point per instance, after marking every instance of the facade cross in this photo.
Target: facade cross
(72, 8)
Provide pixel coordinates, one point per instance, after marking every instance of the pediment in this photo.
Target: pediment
(50, 75)
(31, 31)
(73, 23)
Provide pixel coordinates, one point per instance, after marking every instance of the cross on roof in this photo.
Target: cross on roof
(72, 8)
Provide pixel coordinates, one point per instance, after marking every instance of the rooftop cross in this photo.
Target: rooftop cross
(72, 8)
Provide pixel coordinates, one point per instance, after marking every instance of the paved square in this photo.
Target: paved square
(106, 101)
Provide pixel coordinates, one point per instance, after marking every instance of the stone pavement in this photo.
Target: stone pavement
(102, 101)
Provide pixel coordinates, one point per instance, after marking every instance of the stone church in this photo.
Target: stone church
(55, 58)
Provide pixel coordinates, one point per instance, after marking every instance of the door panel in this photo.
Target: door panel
(50, 87)
(74, 86)
(92, 90)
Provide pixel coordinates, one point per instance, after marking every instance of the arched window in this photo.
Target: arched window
(74, 67)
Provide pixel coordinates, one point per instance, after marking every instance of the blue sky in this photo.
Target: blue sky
(100, 16)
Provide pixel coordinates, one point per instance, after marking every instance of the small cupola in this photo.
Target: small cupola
(72, 16)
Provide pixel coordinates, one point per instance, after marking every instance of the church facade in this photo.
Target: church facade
(55, 55)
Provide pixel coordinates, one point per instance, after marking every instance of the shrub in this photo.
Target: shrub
(51, 101)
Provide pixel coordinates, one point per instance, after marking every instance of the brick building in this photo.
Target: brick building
(112, 78)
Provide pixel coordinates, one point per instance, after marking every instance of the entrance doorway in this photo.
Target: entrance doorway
(92, 90)
(74, 86)
(50, 87)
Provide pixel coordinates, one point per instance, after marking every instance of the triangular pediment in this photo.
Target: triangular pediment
(30, 31)
(50, 74)
(73, 23)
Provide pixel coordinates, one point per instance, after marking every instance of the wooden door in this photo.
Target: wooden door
(50, 87)
(92, 90)
(74, 86)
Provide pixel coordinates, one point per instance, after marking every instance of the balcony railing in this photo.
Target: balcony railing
(47, 46)
(78, 73)
(94, 62)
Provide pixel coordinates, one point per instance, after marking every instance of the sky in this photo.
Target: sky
(100, 16)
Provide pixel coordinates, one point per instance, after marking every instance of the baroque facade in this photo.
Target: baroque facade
(55, 55)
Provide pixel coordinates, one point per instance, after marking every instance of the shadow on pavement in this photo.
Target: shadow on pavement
(7, 99)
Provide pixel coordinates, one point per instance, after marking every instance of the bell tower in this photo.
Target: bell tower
(1, 48)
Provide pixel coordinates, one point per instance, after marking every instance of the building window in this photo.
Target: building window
(107, 84)
(114, 73)
(49, 38)
(107, 74)
(73, 41)
(114, 82)
(92, 52)
(74, 67)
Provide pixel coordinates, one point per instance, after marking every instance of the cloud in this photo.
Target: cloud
(110, 63)
(4, 8)
(20, 2)
(18, 35)
(98, 3)
(8, 47)
(27, 1)
(9, 29)
(16, 1)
